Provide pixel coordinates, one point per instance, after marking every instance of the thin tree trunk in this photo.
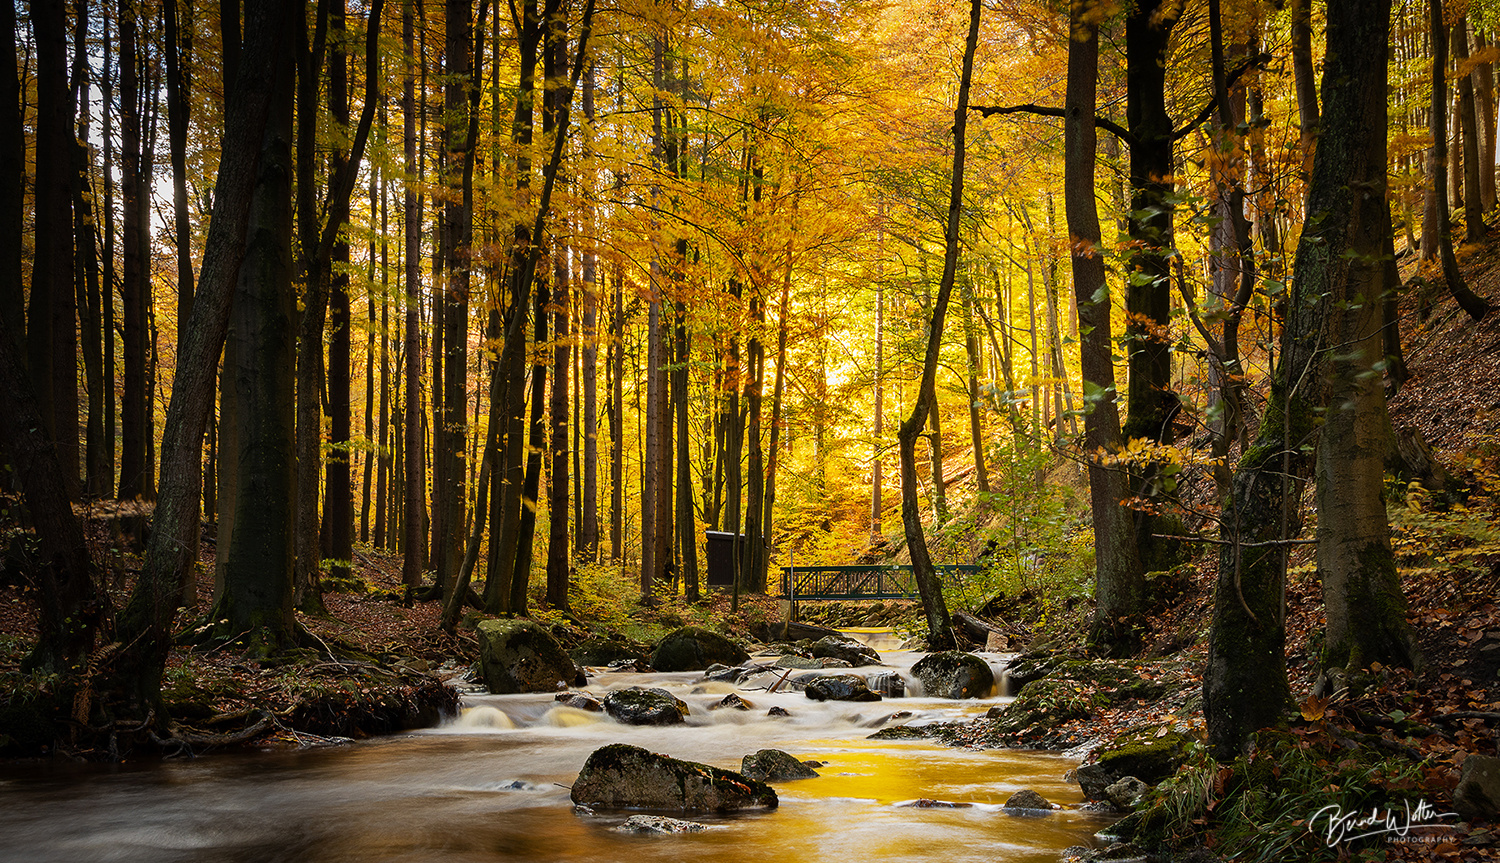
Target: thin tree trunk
(1474, 227)
(939, 624)
(1118, 584)
(135, 471)
(1477, 307)
(411, 218)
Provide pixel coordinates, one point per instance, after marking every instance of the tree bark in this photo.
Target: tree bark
(1118, 582)
(1474, 227)
(1245, 684)
(135, 292)
(1437, 173)
(935, 608)
(411, 218)
(1362, 597)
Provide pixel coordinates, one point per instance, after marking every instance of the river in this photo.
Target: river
(491, 785)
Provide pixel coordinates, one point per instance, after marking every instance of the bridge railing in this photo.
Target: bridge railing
(891, 581)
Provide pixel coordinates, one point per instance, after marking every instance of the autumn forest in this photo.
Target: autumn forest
(531, 298)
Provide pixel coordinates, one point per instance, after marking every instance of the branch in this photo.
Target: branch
(1254, 61)
(1102, 122)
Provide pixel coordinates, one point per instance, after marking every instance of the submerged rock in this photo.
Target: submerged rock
(659, 824)
(693, 648)
(623, 776)
(840, 687)
(954, 674)
(520, 656)
(638, 706)
(852, 652)
(773, 765)
(777, 710)
(929, 803)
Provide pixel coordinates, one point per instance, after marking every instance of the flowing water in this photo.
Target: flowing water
(491, 786)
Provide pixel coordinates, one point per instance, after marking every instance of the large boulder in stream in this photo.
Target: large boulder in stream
(839, 687)
(629, 777)
(852, 652)
(520, 656)
(693, 648)
(642, 706)
(773, 765)
(954, 674)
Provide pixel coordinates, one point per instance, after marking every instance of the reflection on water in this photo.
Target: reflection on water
(491, 786)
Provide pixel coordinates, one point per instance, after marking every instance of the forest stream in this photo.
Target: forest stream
(491, 785)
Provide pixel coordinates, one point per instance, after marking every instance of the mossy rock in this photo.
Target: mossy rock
(693, 648)
(1047, 703)
(954, 674)
(521, 656)
(612, 648)
(773, 765)
(645, 706)
(623, 776)
(1145, 755)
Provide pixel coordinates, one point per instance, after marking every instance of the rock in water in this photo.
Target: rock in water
(520, 656)
(773, 765)
(954, 674)
(693, 648)
(659, 824)
(1126, 793)
(638, 706)
(623, 776)
(887, 683)
(1029, 800)
(840, 687)
(733, 701)
(579, 701)
(852, 652)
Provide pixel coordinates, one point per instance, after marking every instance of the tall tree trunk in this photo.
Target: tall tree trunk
(411, 219)
(12, 193)
(1118, 583)
(256, 155)
(256, 607)
(52, 341)
(1437, 177)
(511, 365)
(588, 528)
(1474, 227)
(1305, 80)
(1483, 77)
(1151, 403)
(1245, 685)
(461, 120)
(616, 412)
(686, 526)
(935, 608)
(314, 313)
(99, 481)
(971, 352)
(1362, 596)
(338, 505)
(135, 471)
